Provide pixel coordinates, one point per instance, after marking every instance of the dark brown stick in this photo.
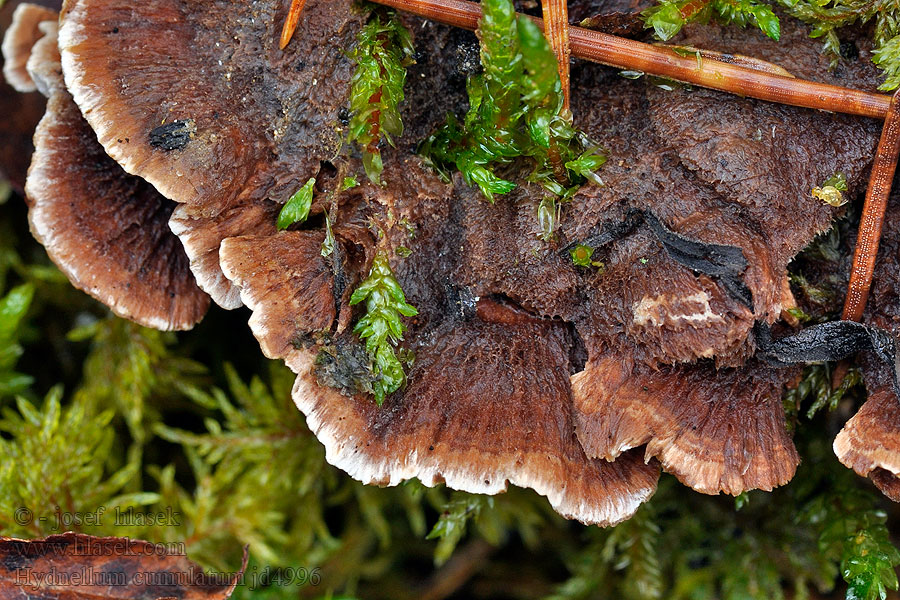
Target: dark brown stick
(872, 219)
(654, 60)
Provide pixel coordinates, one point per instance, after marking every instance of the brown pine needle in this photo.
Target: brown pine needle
(632, 55)
(872, 219)
(290, 24)
(556, 16)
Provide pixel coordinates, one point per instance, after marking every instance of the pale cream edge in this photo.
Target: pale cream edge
(881, 458)
(222, 291)
(8, 47)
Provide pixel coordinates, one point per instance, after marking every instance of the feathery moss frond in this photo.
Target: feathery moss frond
(382, 327)
(383, 52)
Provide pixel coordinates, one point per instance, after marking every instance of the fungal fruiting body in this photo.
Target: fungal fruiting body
(656, 348)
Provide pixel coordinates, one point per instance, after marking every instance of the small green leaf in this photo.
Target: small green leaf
(767, 21)
(296, 210)
(665, 20)
(328, 243)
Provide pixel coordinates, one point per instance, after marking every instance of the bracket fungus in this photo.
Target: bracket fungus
(869, 443)
(576, 381)
(106, 230)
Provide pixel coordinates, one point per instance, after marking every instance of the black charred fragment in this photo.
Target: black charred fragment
(174, 135)
(711, 259)
(725, 263)
(340, 280)
(835, 340)
(611, 232)
(461, 302)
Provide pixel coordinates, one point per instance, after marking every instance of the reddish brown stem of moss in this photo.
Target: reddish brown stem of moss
(556, 16)
(873, 214)
(290, 24)
(636, 56)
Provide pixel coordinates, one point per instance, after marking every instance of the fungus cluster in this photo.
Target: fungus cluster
(174, 132)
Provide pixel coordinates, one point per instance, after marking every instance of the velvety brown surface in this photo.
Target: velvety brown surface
(106, 230)
(488, 401)
(716, 430)
(504, 318)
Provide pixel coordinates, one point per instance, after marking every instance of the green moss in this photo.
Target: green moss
(382, 326)
(825, 18)
(13, 308)
(669, 16)
(515, 112)
(383, 52)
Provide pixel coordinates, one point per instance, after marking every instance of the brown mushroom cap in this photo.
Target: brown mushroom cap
(18, 41)
(106, 230)
(483, 379)
(488, 404)
(869, 443)
(202, 235)
(287, 274)
(717, 429)
(211, 111)
(43, 64)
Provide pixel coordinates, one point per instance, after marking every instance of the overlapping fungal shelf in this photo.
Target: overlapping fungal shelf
(580, 383)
